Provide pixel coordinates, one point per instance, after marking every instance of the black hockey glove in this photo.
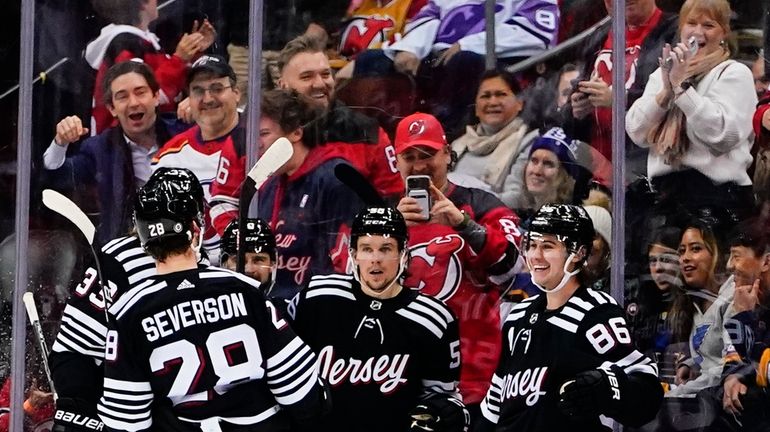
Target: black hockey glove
(440, 414)
(75, 415)
(592, 393)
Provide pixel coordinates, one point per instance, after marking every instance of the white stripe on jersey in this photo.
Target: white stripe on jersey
(317, 292)
(128, 386)
(406, 313)
(429, 314)
(433, 386)
(572, 313)
(278, 360)
(145, 260)
(599, 299)
(577, 301)
(437, 306)
(115, 244)
(330, 282)
(142, 275)
(562, 323)
(513, 316)
(217, 272)
(140, 293)
(490, 406)
(130, 253)
(248, 420)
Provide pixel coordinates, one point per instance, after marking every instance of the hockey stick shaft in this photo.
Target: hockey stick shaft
(268, 164)
(359, 184)
(65, 207)
(34, 320)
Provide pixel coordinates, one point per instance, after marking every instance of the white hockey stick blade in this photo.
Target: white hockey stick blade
(29, 303)
(271, 161)
(65, 207)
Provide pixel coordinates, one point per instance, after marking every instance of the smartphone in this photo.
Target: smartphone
(418, 187)
(692, 46)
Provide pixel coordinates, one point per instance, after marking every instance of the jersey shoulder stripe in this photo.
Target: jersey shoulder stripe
(212, 272)
(129, 299)
(435, 305)
(118, 243)
(520, 309)
(428, 314)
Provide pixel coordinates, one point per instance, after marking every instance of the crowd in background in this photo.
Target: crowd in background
(339, 77)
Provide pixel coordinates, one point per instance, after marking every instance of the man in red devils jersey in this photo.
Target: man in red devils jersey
(199, 349)
(568, 362)
(214, 101)
(385, 349)
(462, 254)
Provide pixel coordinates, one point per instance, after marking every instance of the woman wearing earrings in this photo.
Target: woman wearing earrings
(695, 115)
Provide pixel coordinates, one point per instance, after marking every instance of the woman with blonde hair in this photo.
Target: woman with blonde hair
(695, 116)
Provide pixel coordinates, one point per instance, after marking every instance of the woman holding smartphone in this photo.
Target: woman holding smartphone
(695, 116)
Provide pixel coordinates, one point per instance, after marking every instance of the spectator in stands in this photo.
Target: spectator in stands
(305, 68)
(648, 305)
(761, 80)
(127, 37)
(762, 150)
(496, 146)
(647, 30)
(597, 266)
(462, 253)
(38, 406)
(308, 209)
(214, 100)
(548, 176)
(444, 49)
(699, 316)
(695, 117)
(117, 161)
(746, 372)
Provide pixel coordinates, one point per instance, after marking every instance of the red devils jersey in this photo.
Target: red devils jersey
(189, 150)
(375, 22)
(351, 136)
(445, 266)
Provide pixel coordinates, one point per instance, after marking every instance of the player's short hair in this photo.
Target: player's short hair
(298, 45)
(291, 111)
(122, 68)
(119, 11)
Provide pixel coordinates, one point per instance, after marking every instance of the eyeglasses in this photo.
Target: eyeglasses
(216, 90)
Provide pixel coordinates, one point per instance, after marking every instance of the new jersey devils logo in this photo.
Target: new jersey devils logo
(365, 32)
(435, 267)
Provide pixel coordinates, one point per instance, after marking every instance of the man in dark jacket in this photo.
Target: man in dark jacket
(590, 119)
(116, 162)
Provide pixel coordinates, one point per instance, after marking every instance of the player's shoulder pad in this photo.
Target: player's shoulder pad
(330, 285)
(213, 273)
(431, 313)
(520, 309)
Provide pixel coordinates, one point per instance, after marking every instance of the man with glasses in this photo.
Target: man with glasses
(214, 100)
(462, 253)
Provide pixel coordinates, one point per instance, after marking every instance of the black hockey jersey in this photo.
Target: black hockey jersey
(206, 345)
(79, 347)
(378, 356)
(543, 349)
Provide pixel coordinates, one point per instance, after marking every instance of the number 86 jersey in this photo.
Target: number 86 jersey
(203, 350)
(544, 349)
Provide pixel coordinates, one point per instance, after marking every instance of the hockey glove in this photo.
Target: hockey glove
(75, 415)
(440, 414)
(592, 393)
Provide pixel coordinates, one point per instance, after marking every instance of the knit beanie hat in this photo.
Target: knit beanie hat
(557, 142)
(602, 221)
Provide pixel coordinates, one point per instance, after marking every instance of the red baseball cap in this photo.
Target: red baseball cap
(419, 129)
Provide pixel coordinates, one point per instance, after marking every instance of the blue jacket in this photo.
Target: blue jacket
(100, 177)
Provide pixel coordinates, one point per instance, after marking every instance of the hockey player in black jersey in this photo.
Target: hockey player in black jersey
(78, 353)
(386, 350)
(260, 256)
(568, 363)
(195, 349)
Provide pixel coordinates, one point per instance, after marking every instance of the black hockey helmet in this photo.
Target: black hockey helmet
(384, 221)
(258, 238)
(167, 204)
(570, 223)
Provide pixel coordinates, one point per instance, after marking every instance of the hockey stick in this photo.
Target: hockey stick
(65, 207)
(353, 179)
(34, 319)
(271, 161)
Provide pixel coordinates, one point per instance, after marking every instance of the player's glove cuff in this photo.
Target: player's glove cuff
(442, 413)
(593, 393)
(75, 415)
